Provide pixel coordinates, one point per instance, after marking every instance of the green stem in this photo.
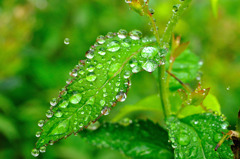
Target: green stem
(163, 91)
(161, 74)
(179, 9)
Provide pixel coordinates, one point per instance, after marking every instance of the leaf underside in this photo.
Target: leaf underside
(140, 139)
(196, 137)
(97, 83)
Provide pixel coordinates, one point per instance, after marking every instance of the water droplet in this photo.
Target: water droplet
(91, 101)
(125, 122)
(64, 104)
(51, 142)
(110, 35)
(38, 133)
(81, 72)
(135, 34)
(90, 68)
(40, 123)
(149, 52)
(58, 114)
(149, 65)
(53, 102)
(114, 68)
(101, 39)
(152, 11)
(42, 149)
(175, 8)
(183, 139)
(89, 54)
(133, 62)
(224, 125)
(102, 102)
(128, 1)
(136, 69)
(122, 34)
(113, 46)
(35, 152)
(102, 51)
(99, 65)
(228, 88)
(66, 41)
(127, 74)
(49, 113)
(94, 126)
(105, 110)
(91, 77)
(121, 96)
(126, 43)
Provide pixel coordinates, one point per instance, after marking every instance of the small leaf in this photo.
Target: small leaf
(97, 83)
(142, 139)
(150, 104)
(210, 103)
(196, 137)
(185, 67)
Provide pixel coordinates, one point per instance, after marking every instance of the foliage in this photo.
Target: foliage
(35, 61)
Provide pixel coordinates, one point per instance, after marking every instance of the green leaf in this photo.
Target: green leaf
(185, 67)
(149, 107)
(142, 139)
(97, 83)
(214, 4)
(196, 137)
(210, 102)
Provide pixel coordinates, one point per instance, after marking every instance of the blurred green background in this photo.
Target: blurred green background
(35, 62)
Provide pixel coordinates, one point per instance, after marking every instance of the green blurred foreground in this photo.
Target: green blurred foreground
(35, 61)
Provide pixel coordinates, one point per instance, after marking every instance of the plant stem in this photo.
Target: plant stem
(179, 9)
(161, 74)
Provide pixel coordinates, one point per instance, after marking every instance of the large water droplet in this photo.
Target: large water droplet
(76, 98)
(128, 1)
(149, 65)
(105, 110)
(38, 133)
(42, 149)
(175, 8)
(126, 43)
(114, 68)
(91, 77)
(122, 34)
(110, 35)
(35, 152)
(58, 113)
(113, 46)
(66, 41)
(64, 104)
(224, 125)
(102, 51)
(99, 65)
(149, 52)
(53, 102)
(136, 69)
(183, 139)
(127, 74)
(90, 68)
(94, 126)
(121, 96)
(49, 113)
(101, 39)
(135, 34)
(89, 54)
(40, 123)
(102, 102)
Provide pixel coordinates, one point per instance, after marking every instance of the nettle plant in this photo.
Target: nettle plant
(193, 126)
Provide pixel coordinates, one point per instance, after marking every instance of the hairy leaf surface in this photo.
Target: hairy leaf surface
(97, 83)
(196, 137)
(142, 139)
